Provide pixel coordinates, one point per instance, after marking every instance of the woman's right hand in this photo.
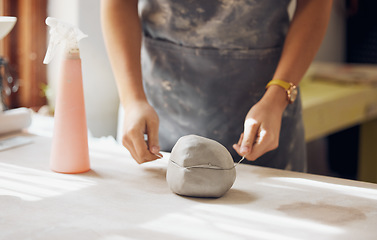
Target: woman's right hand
(123, 43)
(140, 118)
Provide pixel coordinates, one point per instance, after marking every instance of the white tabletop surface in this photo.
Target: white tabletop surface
(120, 200)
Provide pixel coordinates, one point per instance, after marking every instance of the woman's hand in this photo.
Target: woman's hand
(123, 43)
(263, 122)
(262, 125)
(140, 118)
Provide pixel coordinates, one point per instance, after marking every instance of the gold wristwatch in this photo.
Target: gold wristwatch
(290, 88)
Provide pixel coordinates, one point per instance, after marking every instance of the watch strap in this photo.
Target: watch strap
(281, 83)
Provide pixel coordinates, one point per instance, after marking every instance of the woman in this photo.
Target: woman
(205, 66)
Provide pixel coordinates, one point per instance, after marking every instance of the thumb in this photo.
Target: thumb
(250, 131)
(153, 143)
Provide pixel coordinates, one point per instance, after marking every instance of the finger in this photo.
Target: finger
(153, 143)
(258, 150)
(240, 140)
(130, 147)
(139, 149)
(261, 146)
(158, 155)
(237, 146)
(250, 131)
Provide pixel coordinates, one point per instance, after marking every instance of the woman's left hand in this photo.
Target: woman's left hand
(262, 125)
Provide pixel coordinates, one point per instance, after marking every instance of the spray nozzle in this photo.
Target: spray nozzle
(61, 32)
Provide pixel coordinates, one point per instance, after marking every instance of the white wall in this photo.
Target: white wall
(333, 48)
(101, 98)
(333, 45)
(66, 11)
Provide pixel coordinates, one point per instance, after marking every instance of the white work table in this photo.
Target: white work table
(119, 199)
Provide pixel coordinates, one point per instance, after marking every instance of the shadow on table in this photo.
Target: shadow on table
(233, 196)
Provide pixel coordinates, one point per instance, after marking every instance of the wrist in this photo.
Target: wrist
(290, 88)
(132, 95)
(276, 97)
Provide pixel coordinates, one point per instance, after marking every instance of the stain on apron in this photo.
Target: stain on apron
(205, 84)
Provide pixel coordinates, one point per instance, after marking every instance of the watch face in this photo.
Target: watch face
(292, 93)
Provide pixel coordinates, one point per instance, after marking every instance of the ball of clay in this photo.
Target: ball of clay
(200, 167)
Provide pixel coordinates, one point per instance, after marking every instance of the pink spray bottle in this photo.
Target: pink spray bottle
(69, 152)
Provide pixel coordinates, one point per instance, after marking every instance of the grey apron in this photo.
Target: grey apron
(206, 63)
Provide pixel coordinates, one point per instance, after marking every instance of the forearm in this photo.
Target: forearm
(122, 35)
(304, 37)
(263, 121)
